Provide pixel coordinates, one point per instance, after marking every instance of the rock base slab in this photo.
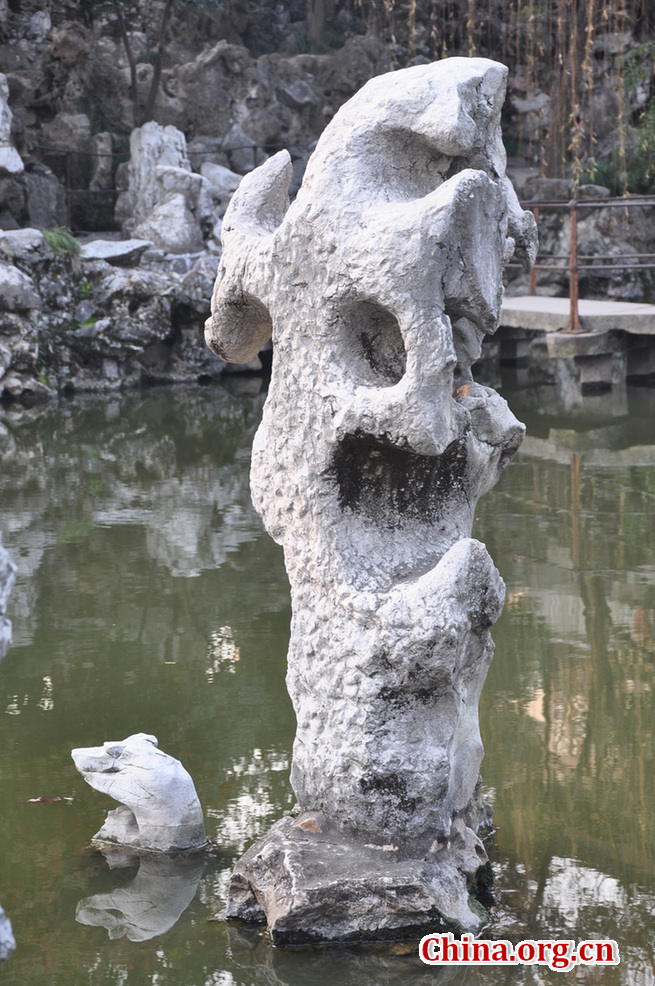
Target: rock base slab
(312, 884)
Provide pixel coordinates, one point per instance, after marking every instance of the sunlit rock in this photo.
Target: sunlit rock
(378, 285)
(159, 808)
(10, 159)
(165, 201)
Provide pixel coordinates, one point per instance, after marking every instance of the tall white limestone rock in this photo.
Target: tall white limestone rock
(10, 159)
(378, 285)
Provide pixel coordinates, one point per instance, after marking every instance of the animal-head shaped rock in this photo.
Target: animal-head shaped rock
(378, 284)
(159, 811)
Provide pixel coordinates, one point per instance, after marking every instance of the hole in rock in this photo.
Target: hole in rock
(406, 165)
(386, 484)
(379, 350)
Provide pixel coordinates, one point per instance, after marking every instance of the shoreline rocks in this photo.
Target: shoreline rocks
(94, 322)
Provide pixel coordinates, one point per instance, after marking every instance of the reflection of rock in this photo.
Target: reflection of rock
(151, 903)
(182, 487)
(159, 809)
(390, 964)
(7, 576)
(7, 941)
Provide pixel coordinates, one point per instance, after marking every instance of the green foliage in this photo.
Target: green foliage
(639, 176)
(604, 172)
(85, 290)
(641, 155)
(61, 240)
(75, 531)
(641, 166)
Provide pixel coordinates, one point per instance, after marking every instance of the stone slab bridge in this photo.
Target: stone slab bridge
(617, 342)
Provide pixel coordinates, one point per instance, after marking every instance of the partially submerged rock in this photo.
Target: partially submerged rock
(378, 285)
(159, 808)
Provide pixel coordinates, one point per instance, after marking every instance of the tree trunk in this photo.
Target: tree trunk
(132, 63)
(316, 20)
(159, 62)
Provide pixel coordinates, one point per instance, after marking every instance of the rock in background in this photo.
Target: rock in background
(92, 322)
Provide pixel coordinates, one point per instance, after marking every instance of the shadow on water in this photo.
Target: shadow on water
(149, 599)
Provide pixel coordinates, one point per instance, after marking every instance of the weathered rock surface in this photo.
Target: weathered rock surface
(313, 883)
(165, 201)
(127, 252)
(378, 284)
(159, 808)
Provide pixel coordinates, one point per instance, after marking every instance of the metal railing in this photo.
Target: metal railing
(574, 262)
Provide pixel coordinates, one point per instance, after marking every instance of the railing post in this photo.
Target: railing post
(574, 320)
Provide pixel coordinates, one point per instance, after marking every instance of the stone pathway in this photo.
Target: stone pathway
(551, 314)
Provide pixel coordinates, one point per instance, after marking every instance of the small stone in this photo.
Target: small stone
(159, 809)
(122, 252)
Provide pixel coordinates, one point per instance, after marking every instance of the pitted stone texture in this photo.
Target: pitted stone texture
(159, 808)
(378, 285)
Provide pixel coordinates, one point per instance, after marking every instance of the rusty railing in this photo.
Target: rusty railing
(573, 262)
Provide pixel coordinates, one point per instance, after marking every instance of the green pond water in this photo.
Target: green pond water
(150, 599)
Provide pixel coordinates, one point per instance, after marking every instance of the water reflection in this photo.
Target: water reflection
(571, 528)
(148, 599)
(151, 902)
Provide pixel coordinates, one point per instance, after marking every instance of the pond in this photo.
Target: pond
(150, 599)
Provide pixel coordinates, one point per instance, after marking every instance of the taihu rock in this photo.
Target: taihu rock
(159, 808)
(10, 159)
(378, 284)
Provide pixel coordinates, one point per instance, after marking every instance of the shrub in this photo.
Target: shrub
(61, 241)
